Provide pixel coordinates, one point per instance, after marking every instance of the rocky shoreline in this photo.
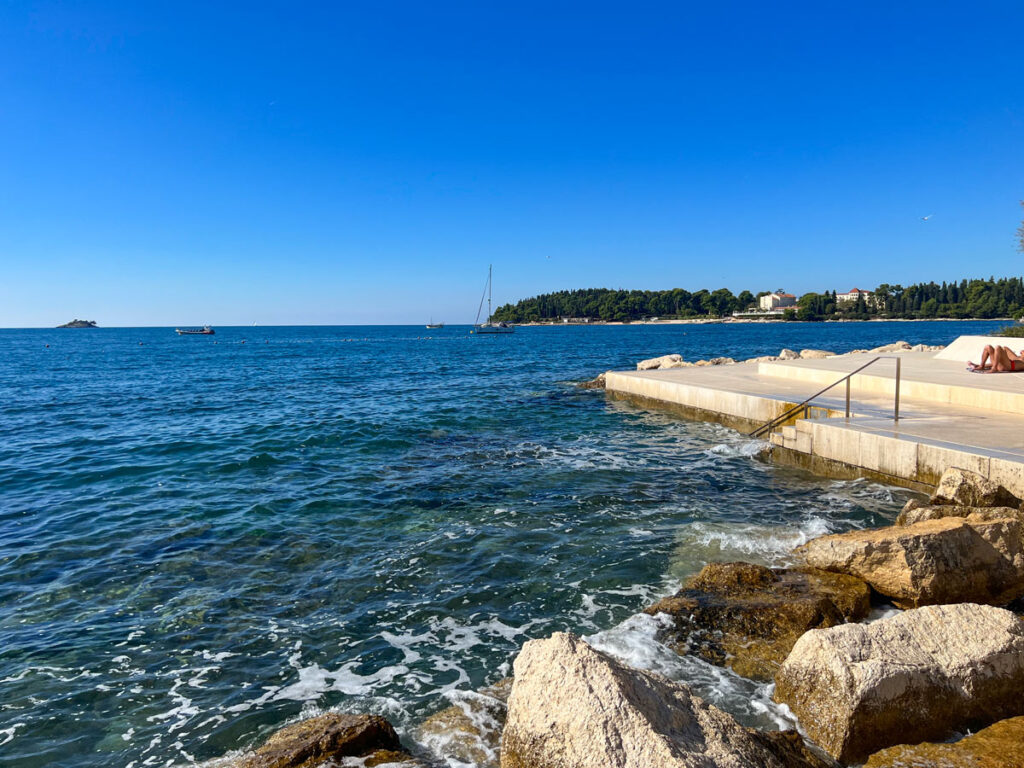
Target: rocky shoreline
(946, 661)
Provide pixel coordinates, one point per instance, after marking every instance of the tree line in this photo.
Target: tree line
(1003, 297)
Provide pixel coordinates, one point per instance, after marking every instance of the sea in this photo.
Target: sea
(204, 538)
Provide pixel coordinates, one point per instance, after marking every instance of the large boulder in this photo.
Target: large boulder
(815, 354)
(658, 362)
(896, 346)
(788, 354)
(469, 731)
(969, 489)
(748, 617)
(998, 746)
(949, 560)
(918, 513)
(575, 707)
(918, 676)
(329, 737)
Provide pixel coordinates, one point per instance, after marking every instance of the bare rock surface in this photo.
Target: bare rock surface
(896, 346)
(998, 746)
(815, 354)
(748, 617)
(948, 560)
(654, 363)
(919, 513)
(329, 737)
(763, 359)
(470, 730)
(969, 489)
(575, 707)
(678, 364)
(716, 361)
(596, 383)
(788, 354)
(921, 675)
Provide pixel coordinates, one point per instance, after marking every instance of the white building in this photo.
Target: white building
(777, 300)
(855, 294)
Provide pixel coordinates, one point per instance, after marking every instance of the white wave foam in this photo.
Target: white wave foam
(701, 542)
(8, 733)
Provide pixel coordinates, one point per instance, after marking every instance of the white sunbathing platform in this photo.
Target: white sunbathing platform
(948, 416)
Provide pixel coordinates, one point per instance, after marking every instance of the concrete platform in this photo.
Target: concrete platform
(948, 416)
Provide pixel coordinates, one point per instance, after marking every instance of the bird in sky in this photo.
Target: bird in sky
(925, 218)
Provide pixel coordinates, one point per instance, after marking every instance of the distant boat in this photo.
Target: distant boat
(490, 326)
(432, 324)
(204, 331)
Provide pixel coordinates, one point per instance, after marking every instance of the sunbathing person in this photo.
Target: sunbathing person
(996, 359)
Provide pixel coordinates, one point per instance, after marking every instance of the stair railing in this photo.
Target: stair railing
(806, 404)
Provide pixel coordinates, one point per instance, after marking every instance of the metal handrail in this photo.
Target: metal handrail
(805, 405)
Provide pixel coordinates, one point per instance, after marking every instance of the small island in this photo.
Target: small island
(76, 323)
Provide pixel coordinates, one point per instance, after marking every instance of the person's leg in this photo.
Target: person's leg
(986, 355)
(1001, 360)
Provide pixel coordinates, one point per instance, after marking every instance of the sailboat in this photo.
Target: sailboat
(490, 326)
(432, 324)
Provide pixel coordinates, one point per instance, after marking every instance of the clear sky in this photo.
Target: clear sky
(341, 162)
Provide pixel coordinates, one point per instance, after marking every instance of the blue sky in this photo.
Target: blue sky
(298, 163)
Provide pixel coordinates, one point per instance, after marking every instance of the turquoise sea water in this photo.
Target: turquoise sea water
(201, 538)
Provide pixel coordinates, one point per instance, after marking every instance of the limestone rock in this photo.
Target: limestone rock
(969, 489)
(748, 617)
(788, 354)
(998, 746)
(918, 676)
(309, 743)
(950, 560)
(654, 363)
(927, 348)
(595, 383)
(815, 354)
(574, 707)
(896, 346)
(678, 364)
(920, 513)
(470, 730)
(763, 359)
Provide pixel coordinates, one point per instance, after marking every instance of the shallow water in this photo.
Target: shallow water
(201, 539)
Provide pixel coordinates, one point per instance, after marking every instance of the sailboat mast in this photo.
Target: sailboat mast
(490, 269)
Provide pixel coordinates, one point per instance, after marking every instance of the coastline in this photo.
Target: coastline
(752, 321)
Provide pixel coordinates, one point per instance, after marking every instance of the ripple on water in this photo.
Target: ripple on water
(200, 542)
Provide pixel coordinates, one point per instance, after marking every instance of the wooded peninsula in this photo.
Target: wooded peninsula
(967, 299)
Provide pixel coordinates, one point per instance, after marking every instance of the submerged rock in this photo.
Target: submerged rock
(654, 363)
(969, 489)
(575, 707)
(748, 617)
(329, 737)
(949, 560)
(921, 675)
(470, 730)
(998, 746)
